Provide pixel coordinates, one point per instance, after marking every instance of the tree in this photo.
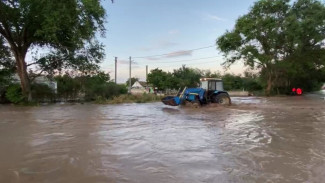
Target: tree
(279, 38)
(158, 78)
(133, 80)
(232, 82)
(187, 77)
(68, 87)
(209, 74)
(67, 28)
(6, 67)
(92, 87)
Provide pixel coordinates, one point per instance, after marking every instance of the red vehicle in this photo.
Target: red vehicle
(299, 91)
(296, 91)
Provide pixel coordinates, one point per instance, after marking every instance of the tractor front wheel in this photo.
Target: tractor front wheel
(196, 104)
(222, 99)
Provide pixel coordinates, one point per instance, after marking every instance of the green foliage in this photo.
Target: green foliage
(96, 85)
(237, 82)
(92, 87)
(115, 89)
(14, 94)
(187, 77)
(190, 77)
(209, 74)
(6, 68)
(42, 93)
(67, 27)
(160, 79)
(180, 78)
(284, 40)
(251, 85)
(232, 82)
(67, 87)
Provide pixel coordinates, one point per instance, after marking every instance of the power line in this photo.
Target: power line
(175, 52)
(176, 65)
(183, 60)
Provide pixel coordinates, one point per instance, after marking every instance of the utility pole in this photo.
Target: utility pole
(147, 75)
(130, 77)
(115, 70)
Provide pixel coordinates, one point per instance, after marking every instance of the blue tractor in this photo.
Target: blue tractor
(210, 91)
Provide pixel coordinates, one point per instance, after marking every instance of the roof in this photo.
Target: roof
(141, 84)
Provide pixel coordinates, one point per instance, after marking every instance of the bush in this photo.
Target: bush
(14, 94)
(68, 87)
(114, 90)
(251, 85)
(42, 92)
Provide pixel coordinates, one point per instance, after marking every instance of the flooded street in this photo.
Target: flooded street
(255, 140)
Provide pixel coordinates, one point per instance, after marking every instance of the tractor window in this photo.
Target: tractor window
(219, 85)
(212, 85)
(204, 85)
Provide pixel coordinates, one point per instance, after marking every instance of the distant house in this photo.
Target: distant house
(140, 87)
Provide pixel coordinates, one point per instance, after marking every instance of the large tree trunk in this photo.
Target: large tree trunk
(22, 73)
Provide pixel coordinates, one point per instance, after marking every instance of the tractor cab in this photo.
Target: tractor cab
(214, 90)
(211, 84)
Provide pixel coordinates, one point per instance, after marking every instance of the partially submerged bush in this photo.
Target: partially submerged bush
(42, 93)
(14, 94)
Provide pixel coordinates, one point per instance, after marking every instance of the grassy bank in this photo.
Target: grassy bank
(145, 98)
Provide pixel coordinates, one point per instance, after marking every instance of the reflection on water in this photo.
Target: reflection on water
(255, 140)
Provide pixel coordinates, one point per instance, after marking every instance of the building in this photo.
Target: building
(140, 87)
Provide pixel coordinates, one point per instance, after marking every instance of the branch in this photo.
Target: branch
(2, 31)
(32, 78)
(7, 35)
(33, 63)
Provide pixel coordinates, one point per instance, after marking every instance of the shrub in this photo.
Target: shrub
(42, 92)
(14, 94)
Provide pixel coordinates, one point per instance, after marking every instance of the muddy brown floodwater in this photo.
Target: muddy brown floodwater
(255, 140)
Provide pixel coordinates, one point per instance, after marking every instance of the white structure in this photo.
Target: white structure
(140, 87)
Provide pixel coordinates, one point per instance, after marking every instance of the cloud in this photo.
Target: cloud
(173, 32)
(152, 58)
(160, 44)
(214, 17)
(179, 54)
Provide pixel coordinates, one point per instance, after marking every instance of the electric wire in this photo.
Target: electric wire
(166, 54)
(188, 60)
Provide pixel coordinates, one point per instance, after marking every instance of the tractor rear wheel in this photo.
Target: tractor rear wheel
(222, 99)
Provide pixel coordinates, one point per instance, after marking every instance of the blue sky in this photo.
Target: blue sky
(140, 28)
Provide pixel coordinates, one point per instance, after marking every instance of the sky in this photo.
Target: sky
(174, 29)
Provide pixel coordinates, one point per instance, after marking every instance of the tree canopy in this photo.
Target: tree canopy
(67, 28)
(179, 78)
(284, 40)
